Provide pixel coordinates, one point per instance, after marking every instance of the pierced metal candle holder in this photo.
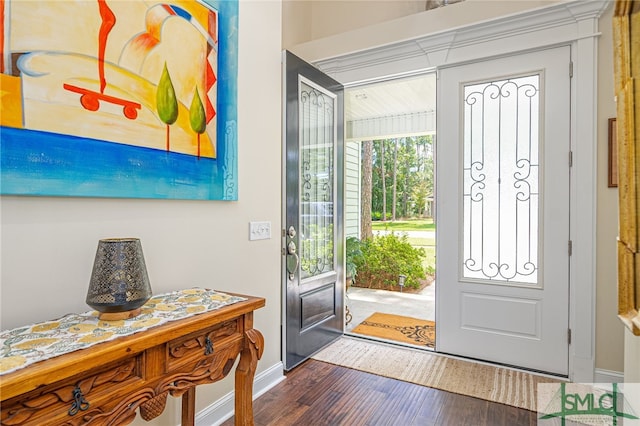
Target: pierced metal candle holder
(119, 283)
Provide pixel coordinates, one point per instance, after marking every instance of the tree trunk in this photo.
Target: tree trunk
(395, 180)
(405, 194)
(367, 190)
(384, 183)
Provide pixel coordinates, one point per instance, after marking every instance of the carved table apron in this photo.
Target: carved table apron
(106, 383)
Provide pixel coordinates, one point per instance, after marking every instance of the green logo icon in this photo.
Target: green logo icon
(588, 405)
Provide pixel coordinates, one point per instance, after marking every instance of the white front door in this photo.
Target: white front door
(502, 205)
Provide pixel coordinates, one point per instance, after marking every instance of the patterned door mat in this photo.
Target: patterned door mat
(399, 328)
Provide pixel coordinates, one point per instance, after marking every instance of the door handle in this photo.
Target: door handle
(291, 251)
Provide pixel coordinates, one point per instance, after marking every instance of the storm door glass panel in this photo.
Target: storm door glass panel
(501, 180)
(317, 135)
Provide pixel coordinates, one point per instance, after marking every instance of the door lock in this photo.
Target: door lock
(292, 251)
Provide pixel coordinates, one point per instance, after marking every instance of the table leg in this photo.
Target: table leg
(245, 371)
(189, 407)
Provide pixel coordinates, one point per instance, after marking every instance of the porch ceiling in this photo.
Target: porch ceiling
(392, 108)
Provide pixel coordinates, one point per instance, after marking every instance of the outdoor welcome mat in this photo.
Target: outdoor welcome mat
(484, 381)
(399, 328)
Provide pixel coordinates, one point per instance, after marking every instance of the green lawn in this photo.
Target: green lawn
(430, 259)
(428, 244)
(404, 225)
(421, 242)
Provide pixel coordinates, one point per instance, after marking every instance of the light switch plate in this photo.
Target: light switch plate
(259, 231)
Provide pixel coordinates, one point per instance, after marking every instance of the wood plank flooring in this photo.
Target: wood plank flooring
(318, 393)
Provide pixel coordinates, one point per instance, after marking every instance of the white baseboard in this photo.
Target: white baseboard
(608, 376)
(223, 408)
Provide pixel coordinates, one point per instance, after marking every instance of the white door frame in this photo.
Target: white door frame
(574, 23)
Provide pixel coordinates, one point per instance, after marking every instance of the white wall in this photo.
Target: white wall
(337, 16)
(609, 334)
(48, 244)
(309, 20)
(631, 357)
(609, 329)
(632, 367)
(297, 15)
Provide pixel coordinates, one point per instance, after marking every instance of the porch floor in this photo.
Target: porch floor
(362, 302)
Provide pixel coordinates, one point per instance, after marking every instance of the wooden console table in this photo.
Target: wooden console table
(106, 383)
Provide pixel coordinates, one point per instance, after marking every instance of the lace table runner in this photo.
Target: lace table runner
(26, 345)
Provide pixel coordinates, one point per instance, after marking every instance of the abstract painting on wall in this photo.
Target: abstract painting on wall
(124, 99)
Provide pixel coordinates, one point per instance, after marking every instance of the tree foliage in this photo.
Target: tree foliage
(197, 117)
(166, 101)
(413, 176)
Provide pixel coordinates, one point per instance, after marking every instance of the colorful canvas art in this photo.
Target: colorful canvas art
(111, 98)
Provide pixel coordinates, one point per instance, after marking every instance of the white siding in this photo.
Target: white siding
(352, 189)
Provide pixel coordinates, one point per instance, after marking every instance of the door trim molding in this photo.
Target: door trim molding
(572, 23)
(558, 24)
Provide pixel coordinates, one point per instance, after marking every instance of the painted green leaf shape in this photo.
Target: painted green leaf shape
(196, 114)
(166, 98)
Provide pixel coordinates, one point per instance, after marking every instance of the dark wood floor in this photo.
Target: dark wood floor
(317, 393)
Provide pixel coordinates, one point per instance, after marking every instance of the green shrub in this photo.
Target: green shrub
(353, 254)
(431, 270)
(385, 257)
(375, 216)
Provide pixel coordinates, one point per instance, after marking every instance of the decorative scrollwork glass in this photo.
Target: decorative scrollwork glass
(317, 134)
(501, 180)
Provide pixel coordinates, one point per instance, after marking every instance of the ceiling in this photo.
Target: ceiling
(391, 108)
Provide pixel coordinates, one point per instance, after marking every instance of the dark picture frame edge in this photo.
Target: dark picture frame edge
(612, 175)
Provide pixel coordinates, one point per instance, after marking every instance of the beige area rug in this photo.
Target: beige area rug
(399, 328)
(492, 383)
